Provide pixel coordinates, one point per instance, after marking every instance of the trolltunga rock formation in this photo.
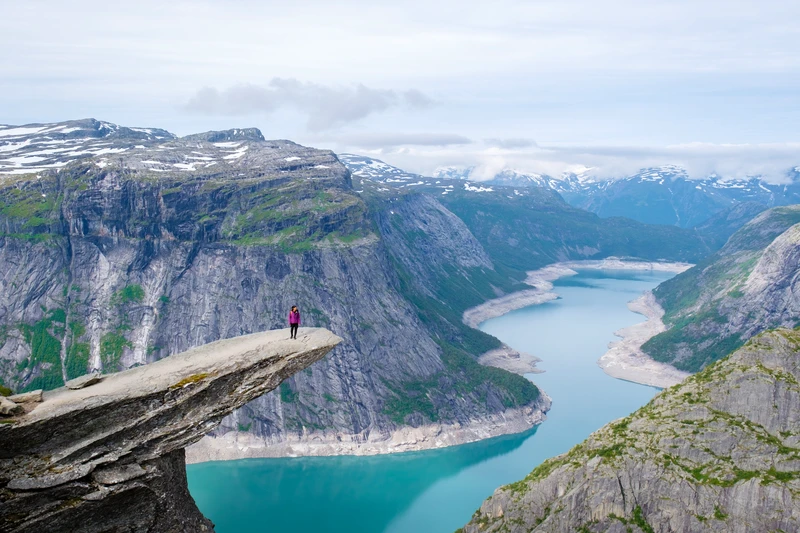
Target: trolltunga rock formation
(110, 457)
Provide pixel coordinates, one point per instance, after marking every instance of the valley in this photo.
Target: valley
(438, 490)
(127, 245)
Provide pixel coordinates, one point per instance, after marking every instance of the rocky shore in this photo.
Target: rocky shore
(510, 359)
(239, 445)
(625, 359)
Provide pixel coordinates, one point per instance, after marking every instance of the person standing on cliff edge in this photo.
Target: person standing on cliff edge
(294, 322)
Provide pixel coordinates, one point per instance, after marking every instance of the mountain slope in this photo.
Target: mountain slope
(39, 147)
(668, 197)
(120, 259)
(748, 286)
(523, 228)
(716, 230)
(660, 195)
(719, 452)
(531, 229)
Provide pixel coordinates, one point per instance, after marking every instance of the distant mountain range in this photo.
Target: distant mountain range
(663, 195)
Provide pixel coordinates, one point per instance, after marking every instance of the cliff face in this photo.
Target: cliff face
(747, 287)
(124, 259)
(110, 456)
(718, 452)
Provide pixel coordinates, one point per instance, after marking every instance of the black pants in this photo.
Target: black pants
(293, 331)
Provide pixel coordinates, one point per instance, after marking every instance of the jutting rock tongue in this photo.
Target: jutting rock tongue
(109, 457)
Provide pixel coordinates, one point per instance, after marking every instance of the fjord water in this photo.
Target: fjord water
(437, 491)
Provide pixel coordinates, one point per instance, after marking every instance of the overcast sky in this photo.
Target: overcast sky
(543, 86)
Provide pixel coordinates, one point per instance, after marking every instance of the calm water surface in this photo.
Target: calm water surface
(437, 491)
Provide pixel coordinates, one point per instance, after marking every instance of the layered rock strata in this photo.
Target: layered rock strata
(110, 456)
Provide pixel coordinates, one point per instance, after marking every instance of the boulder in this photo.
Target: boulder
(84, 381)
(34, 396)
(8, 408)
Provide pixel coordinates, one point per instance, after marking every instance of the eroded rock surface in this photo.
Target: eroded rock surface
(110, 457)
(749, 286)
(718, 452)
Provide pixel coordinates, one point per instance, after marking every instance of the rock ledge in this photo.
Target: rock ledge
(110, 457)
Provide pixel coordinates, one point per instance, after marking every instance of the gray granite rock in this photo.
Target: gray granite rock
(33, 396)
(719, 452)
(8, 407)
(119, 473)
(111, 457)
(84, 381)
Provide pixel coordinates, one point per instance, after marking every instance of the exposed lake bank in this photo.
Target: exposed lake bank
(242, 445)
(624, 359)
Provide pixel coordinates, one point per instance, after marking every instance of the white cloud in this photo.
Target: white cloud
(326, 107)
(730, 161)
(620, 73)
(393, 141)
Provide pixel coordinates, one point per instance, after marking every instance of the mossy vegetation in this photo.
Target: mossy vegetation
(77, 361)
(31, 203)
(411, 397)
(287, 394)
(45, 359)
(516, 390)
(128, 294)
(295, 218)
(112, 346)
(466, 377)
(190, 380)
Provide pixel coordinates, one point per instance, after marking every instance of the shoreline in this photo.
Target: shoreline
(508, 358)
(542, 291)
(242, 445)
(235, 445)
(625, 359)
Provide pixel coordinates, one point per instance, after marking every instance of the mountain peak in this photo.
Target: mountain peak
(237, 134)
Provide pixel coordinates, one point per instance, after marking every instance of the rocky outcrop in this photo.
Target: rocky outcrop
(749, 286)
(110, 456)
(625, 359)
(718, 452)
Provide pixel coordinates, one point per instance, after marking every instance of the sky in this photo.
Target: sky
(537, 86)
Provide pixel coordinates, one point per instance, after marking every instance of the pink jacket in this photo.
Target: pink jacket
(294, 318)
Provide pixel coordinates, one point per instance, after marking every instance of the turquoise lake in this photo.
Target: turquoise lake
(437, 491)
